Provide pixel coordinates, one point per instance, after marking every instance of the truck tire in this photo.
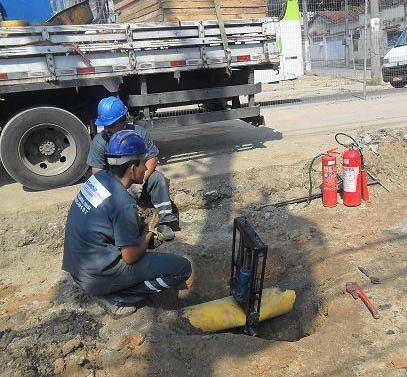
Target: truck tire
(398, 84)
(44, 147)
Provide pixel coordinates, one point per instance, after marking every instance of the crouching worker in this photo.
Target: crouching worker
(112, 115)
(104, 251)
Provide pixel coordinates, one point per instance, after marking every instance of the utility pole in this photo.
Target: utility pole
(307, 55)
(376, 74)
(365, 53)
(346, 41)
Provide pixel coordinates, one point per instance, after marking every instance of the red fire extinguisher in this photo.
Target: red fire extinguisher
(329, 179)
(351, 176)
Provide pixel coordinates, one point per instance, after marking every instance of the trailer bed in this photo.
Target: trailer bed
(65, 56)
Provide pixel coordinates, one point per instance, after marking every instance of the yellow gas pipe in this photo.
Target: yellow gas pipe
(225, 313)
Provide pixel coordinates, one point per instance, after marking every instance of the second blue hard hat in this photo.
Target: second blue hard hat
(124, 146)
(110, 110)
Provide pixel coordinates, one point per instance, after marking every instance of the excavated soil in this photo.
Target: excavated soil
(49, 327)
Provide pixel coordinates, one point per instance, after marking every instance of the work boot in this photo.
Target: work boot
(166, 232)
(174, 225)
(116, 310)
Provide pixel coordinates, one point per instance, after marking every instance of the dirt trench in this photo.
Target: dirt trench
(49, 327)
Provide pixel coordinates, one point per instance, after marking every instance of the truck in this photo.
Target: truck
(394, 67)
(52, 78)
(290, 44)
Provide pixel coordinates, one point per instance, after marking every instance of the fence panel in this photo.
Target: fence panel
(349, 48)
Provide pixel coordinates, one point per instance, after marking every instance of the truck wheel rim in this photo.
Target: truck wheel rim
(47, 149)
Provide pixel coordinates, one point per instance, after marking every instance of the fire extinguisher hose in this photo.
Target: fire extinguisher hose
(346, 135)
(310, 177)
(354, 143)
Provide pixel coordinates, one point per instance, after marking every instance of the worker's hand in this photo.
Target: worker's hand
(152, 222)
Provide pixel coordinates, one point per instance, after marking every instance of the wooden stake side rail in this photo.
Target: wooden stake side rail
(52, 53)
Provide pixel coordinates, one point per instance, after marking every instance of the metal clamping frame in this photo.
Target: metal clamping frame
(248, 252)
(49, 56)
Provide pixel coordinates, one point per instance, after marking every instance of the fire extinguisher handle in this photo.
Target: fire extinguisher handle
(354, 142)
(332, 151)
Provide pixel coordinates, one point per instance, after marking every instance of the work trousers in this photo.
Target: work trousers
(129, 284)
(157, 191)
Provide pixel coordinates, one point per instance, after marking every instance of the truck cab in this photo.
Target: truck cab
(395, 63)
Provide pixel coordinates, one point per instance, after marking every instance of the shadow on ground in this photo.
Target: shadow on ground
(210, 140)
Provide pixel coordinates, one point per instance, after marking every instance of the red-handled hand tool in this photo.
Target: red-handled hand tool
(357, 292)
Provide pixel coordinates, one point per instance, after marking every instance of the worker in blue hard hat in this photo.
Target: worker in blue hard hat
(112, 115)
(104, 250)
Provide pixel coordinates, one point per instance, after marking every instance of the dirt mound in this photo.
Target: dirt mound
(42, 231)
(33, 351)
(386, 155)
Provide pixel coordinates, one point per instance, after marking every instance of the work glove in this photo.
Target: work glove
(152, 223)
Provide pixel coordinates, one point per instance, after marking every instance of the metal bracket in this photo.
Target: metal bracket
(201, 34)
(49, 57)
(51, 65)
(201, 30)
(177, 76)
(129, 35)
(132, 54)
(132, 59)
(45, 35)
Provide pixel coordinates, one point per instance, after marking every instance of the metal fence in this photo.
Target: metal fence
(335, 44)
(349, 39)
(348, 47)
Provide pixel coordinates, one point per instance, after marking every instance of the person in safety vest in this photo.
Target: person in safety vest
(112, 115)
(104, 250)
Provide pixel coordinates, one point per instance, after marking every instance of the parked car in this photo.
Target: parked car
(395, 63)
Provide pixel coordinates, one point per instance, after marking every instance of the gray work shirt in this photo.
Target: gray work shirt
(97, 150)
(101, 220)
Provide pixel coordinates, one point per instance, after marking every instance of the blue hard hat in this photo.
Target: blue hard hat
(125, 146)
(110, 110)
